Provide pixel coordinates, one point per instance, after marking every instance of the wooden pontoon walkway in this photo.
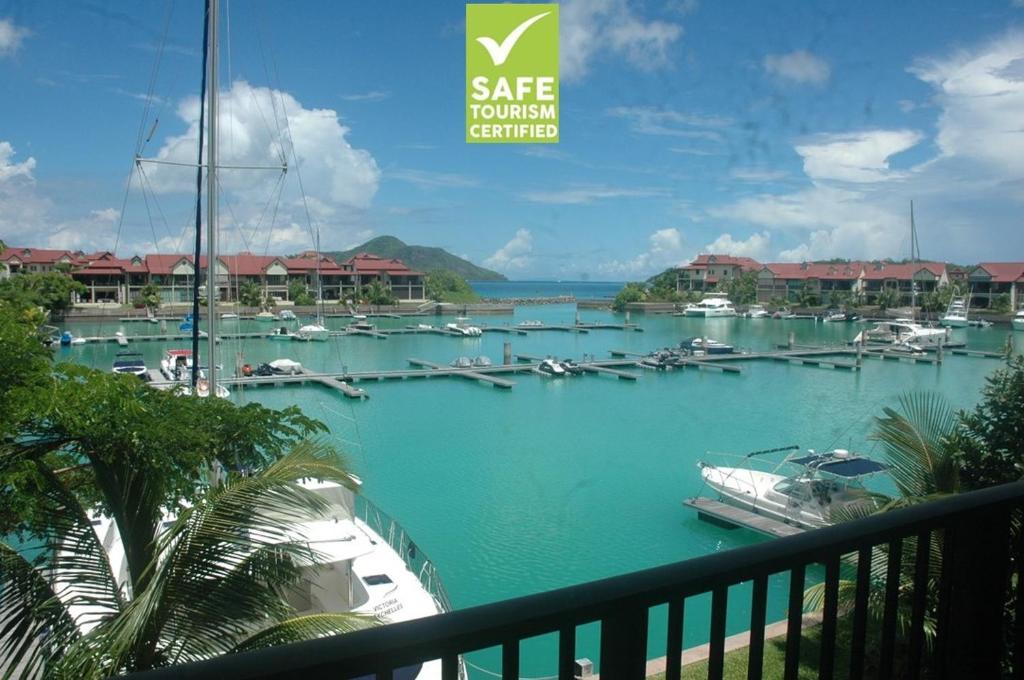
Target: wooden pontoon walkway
(720, 513)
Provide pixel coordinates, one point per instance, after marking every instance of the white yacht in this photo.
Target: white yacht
(956, 314)
(903, 332)
(715, 304)
(824, 484)
(552, 368)
(367, 565)
(463, 328)
(286, 315)
(1018, 321)
(757, 312)
(314, 331)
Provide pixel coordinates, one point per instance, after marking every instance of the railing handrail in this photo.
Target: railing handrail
(410, 642)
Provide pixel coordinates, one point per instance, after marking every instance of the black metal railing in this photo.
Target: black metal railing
(962, 585)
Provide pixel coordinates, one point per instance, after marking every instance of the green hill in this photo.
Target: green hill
(420, 258)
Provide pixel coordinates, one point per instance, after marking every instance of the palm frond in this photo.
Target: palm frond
(308, 627)
(34, 623)
(916, 442)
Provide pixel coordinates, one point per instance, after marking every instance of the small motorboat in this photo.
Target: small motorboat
(464, 329)
(283, 334)
(285, 367)
(530, 324)
(903, 331)
(66, 338)
(424, 327)
(784, 313)
(705, 346)
(186, 323)
(979, 323)
(131, 363)
(121, 339)
(314, 331)
(176, 364)
(361, 325)
(228, 315)
(756, 312)
(1018, 321)
(287, 315)
(834, 316)
(552, 368)
(481, 362)
(462, 362)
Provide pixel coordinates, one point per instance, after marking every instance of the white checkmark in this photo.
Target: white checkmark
(499, 53)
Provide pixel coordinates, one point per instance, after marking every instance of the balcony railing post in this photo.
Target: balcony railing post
(975, 563)
(624, 644)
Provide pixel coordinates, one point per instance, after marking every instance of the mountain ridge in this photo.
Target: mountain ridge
(420, 258)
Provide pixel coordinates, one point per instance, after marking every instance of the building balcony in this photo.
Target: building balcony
(979, 573)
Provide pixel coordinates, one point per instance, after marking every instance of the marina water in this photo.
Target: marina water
(558, 482)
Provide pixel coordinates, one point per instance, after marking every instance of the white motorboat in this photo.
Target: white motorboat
(462, 362)
(824, 485)
(705, 346)
(283, 334)
(228, 315)
(956, 314)
(366, 564)
(714, 305)
(552, 367)
(176, 364)
(482, 361)
(285, 367)
(462, 328)
(286, 315)
(903, 332)
(131, 363)
(1018, 321)
(314, 331)
(757, 312)
(532, 323)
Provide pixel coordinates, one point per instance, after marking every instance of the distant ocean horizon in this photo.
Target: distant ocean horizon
(581, 290)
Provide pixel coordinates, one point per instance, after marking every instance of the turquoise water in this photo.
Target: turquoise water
(581, 290)
(554, 482)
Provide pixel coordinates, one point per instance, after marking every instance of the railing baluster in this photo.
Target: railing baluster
(829, 615)
(624, 644)
(860, 613)
(758, 611)
(794, 623)
(918, 606)
(892, 603)
(450, 667)
(716, 656)
(674, 640)
(567, 652)
(510, 660)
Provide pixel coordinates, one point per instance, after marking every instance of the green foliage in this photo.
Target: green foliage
(887, 298)
(49, 290)
(1001, 303)
(447, 286)
(250, 294)
(299, 294)
(26, 365)
(150, 295)
(990, 439)
(840, 298)
(741, 289)
(936, 301)
(376, 293)
(631, 292)
(808, 295)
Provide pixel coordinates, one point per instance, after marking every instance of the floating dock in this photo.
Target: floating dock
(729, 516)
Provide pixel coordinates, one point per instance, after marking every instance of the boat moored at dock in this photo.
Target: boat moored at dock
(956, 314)
(713, 305)
(904, 332)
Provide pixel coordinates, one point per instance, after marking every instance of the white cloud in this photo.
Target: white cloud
(757, 174)
(10, 169)
(756, 246)
(664, 250)
(514, 255)
(11, 37)
(981, 94)
(590, 26)
(371, 96)
(578, 195)
(429, 179)
(856, 156)
(799, 67)
(651, 121)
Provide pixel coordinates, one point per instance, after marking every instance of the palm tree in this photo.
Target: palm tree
(214, 582)
(917, 439)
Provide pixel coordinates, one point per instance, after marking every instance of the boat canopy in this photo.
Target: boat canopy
(841, 465)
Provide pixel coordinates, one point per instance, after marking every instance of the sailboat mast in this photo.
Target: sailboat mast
(197, 251)
(211, 198)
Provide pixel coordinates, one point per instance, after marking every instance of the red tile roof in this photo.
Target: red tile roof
(874, 271)
(1004, 272)
(37, 255)
(745, 263)
(365, 263)
(843, 271)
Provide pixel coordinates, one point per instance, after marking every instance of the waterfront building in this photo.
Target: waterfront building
(990, 280)
(706, 271)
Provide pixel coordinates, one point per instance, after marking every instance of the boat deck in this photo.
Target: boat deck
(721, 513)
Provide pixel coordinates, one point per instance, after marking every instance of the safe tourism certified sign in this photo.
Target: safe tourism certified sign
(512, 73)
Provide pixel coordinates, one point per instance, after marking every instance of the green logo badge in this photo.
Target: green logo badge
(512, 74)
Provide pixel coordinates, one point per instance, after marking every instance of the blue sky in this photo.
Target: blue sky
(775, 130)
